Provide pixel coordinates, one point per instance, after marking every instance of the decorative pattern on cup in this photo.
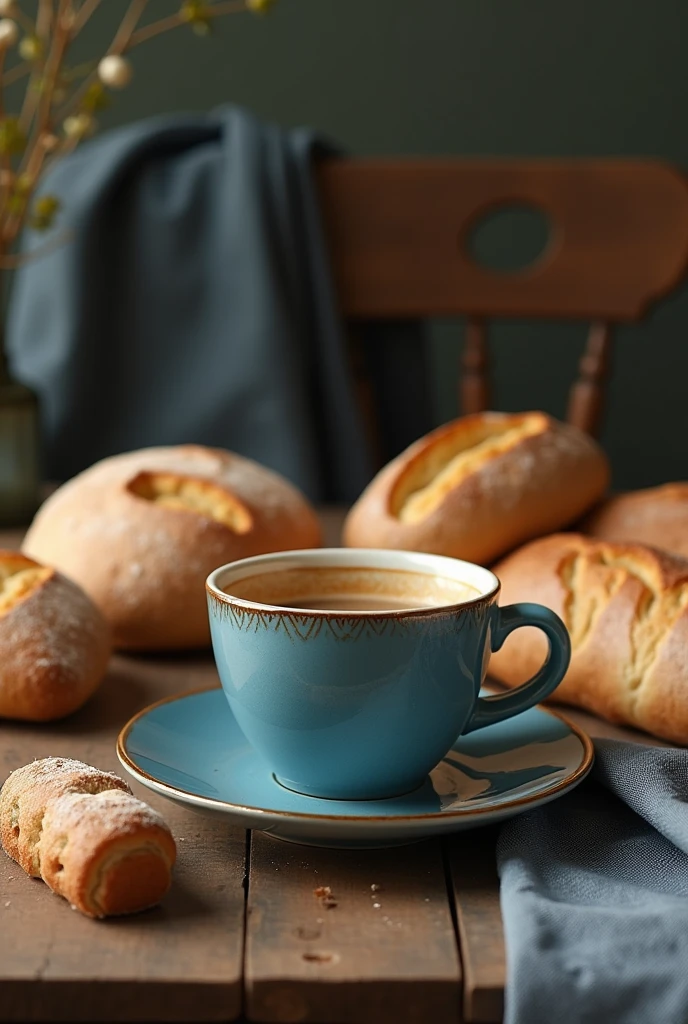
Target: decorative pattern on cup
(309, 624)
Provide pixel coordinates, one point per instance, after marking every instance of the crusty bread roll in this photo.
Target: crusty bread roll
(140, 533)
(479, 486)
(626, 608)
(656, 516)
(54, 643)
(86, 836)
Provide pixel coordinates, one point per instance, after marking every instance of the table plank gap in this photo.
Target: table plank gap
(381, 949)
(475, 887)
(245, 883)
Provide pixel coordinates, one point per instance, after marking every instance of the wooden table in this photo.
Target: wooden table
(241, 935)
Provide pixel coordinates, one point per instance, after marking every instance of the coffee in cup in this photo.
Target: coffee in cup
(352, 588)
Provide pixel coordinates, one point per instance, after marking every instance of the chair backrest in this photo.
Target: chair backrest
(399, 234)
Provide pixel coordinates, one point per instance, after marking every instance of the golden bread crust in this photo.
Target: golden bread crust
(54, 643)
(655, 515)
(626, 608)
(479, 486)
(140, 532)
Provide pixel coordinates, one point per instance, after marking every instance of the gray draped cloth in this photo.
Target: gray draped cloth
(193, 303)
(594, 893)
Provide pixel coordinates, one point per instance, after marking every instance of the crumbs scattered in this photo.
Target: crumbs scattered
(9, 903)
(324, 894)
(376, 906)
(375, 888)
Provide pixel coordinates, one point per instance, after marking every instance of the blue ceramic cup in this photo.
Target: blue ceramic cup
(352, 672)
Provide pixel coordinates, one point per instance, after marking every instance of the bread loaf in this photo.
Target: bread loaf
(626, 608)
(86, 836)
(479, 486)
(140, 533)
(656, 516)
(54, 643)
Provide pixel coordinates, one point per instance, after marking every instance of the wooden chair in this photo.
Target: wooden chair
(399, 236)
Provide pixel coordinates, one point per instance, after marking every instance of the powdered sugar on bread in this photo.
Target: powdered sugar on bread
(86, 836)
(54, 649)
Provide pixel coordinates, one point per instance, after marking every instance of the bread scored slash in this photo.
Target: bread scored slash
(626, 608)
(189, 495)
(54, 643)
(479, 486)
(84, 833)
(141, 532)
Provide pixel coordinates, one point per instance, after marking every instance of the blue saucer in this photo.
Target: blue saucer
(190, 749)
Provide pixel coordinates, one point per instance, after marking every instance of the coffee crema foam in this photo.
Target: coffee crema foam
(351, 589)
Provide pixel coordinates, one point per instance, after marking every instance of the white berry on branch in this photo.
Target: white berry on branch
(61, 100)
(115, 71)
(9, 33)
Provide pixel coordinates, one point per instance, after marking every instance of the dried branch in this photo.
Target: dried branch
(44, 20)
(118, 45)
(128, 26)
(156, 28)
(5, 161)
(53, 64)
(40, 120)
(17, 72)
(87, 8)
(23, 19)
(12, 261)
(57, 24)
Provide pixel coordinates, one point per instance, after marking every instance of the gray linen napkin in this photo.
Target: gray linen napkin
(594, 894)
(194, 304)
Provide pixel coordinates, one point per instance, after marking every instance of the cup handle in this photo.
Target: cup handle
(497, 708)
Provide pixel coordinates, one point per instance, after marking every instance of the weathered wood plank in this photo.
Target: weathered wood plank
(179, 962)
(471, 857)
(384, 954)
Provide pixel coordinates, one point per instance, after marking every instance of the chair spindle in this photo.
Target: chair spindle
(587, 396)
(474, 383)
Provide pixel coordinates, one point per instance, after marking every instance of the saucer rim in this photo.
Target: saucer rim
(211, 803)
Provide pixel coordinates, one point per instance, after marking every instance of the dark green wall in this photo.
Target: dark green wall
(516, 77)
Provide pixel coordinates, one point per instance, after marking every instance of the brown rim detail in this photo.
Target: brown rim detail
(577, 776)
(319, 613)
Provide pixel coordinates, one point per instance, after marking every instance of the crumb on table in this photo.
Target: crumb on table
(324, 894)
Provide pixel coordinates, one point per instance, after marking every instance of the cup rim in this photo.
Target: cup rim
(374, 558)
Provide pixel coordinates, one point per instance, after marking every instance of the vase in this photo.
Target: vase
(20, 476)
